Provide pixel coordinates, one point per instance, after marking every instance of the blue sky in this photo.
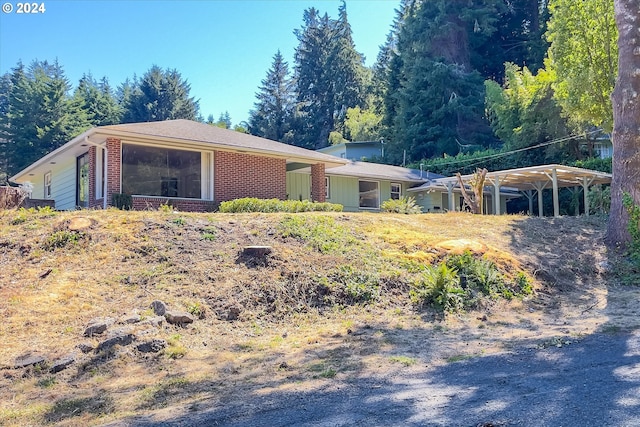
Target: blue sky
(222, 47)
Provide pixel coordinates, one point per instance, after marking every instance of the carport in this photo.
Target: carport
(535, 179)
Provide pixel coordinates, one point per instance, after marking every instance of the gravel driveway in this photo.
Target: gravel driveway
(593, 382)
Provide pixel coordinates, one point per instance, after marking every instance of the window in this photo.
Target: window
(156, 171)
(99, 173)
(82, 180)
(47, 185)
(327, 193)
(396, 190)
(369, 195)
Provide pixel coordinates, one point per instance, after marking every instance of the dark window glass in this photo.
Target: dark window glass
(369, 195)
(153, 171)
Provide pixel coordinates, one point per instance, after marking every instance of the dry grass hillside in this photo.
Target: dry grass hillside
(331, 301)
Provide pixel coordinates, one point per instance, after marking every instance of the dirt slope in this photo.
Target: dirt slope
(329, 303)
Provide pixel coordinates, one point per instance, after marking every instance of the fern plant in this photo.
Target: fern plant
(440, 286)
(404, 205)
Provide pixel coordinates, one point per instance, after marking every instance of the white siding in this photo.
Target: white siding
(429, 201)
(38, 187)
(63, 184)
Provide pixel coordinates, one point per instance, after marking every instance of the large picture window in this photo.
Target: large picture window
(369, 195)
(155, 171)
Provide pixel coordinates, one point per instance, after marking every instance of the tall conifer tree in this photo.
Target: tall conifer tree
(41, 115)
(271, 117)
(329, 74)
(159, 95)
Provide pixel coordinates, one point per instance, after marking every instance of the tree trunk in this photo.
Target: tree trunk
(626, 118)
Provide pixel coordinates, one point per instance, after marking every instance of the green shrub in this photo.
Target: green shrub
(197, 309)
(404, 205)
(60, 239)
(179, 221)
(23, 215)
(122, 201)
(321, 233)
(523, 284)
(439, 286)
(600, 199)
(357, 285)
(481, 276)
(250, 204)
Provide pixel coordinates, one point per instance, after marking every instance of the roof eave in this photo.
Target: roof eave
(43, 160)
(329, 161)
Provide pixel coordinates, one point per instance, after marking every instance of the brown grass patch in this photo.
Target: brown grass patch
(307, 315)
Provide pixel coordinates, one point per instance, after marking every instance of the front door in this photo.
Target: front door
(82, 179)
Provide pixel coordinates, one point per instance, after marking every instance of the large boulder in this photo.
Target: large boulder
(152, 346)
(62, 363)
(122, 336)
(179, 317)
(29, 359)
(159, 307)
(98, 325)
(132, 318)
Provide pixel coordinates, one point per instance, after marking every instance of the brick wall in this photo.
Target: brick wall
(141, 203)
(114, 161)
(238, 175)
(93, 202)
(318, 183)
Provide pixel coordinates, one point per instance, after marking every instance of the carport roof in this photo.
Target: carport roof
(529, 178)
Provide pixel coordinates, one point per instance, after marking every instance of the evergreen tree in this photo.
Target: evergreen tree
(41, 115)
(5, 90)
(329, 74)
(98, 101)
(224, 121)
(517, 36)
(437, 100)
(271, 117)
(159, 95)
(623, 222)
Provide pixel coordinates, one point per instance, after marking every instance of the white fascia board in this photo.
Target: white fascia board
(17, 178)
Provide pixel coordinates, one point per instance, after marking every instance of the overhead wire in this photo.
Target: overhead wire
(478, 160)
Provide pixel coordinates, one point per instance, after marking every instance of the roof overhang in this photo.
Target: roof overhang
(437, 185)
(74, 148)
(98, 136)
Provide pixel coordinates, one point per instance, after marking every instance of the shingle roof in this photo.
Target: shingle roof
(182, 132)
(191, 131)
(380, 171)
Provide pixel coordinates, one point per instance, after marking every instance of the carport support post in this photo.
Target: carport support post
(585, 190)
(539, 187)
(556, 203)
(496, 195)
(450, 195)
(529, 195)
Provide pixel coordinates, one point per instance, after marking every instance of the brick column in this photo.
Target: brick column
(114, 163)
(318, 183)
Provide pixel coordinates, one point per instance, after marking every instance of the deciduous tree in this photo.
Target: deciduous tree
(626, 121)
(584, 55)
